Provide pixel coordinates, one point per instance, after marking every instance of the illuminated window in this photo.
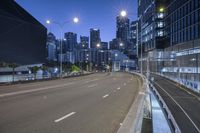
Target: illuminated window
(160, 24)
(160, 33)
(160, 15)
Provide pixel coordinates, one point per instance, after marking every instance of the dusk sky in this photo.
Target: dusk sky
(92, 14)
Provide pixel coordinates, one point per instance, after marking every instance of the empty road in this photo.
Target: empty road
(96, 103)
(183, 104)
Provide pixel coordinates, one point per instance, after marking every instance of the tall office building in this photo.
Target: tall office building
(70, 41)
(84, 42)
(104, 45)
(51, 47)
(122, 32)
(22, 37)
(182, 33)
(182, 21)
(94, 37)
(151, 24)
(133, 34)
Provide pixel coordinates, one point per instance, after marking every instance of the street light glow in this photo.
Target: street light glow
(76, 20)
(121, 44)
(161, 9)
(123, 13)
(48, 21)
(98, 45)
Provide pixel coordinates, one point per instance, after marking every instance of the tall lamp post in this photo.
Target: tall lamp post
(61, 26)
(98, 46)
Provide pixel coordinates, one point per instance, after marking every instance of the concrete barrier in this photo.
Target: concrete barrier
(133, 121)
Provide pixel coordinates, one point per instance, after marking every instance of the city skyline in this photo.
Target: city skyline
(103, 19)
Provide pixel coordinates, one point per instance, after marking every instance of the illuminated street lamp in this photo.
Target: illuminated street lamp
(76, 20)
(61, 26)
(161, 9)
(98, 45)
(123, 13)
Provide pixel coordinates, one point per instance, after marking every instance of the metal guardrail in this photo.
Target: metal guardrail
(172, 122)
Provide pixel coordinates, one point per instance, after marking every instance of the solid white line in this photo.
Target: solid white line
(105, 95)
(179, 107)
(64, 117)
(94, 85)
(34, 90)
(118, 88)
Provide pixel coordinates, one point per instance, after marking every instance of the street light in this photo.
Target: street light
(123, 13)
(76, 20)
(161, 9)
(98, 45)
(61, 26)
(48, 21)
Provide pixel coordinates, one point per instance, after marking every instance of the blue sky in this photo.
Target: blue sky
(92, 13)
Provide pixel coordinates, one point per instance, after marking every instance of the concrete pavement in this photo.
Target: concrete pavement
(95, 103)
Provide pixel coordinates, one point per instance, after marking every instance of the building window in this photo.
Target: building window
(160, 24)
(160, 33)
(160, 15)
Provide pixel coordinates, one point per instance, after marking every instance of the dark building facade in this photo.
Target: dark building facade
(104, 45)
(70, 41)
(94, 37)
(22, 37)
(183, 36)
(133, 34)
(122, 32)
(84, 42)
(151, 15)
(182, 21)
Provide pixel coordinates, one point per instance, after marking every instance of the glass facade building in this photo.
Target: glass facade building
(22, 37)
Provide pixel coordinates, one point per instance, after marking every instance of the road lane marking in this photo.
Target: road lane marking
(94, 85)
(34, 90)
(105, 95)
(91, 80)
(64, 117)
(183, 89)
(118, 88)
(179, 106)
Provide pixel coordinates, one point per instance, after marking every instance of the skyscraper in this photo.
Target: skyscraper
(70, 41)
(94, 37)
(122, 32)
(151, 26)
(133, 34)
(104, 45)
(84, 42)
(51, 47)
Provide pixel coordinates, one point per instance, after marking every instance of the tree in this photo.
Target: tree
(34, 70)
(13, 66)
(74, 68)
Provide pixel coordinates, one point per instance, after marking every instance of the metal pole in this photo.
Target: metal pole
(137, 39)
(141, 47)
(61, 52)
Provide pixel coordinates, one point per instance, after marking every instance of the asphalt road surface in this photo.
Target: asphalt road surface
(183, 104)
(96, 103)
